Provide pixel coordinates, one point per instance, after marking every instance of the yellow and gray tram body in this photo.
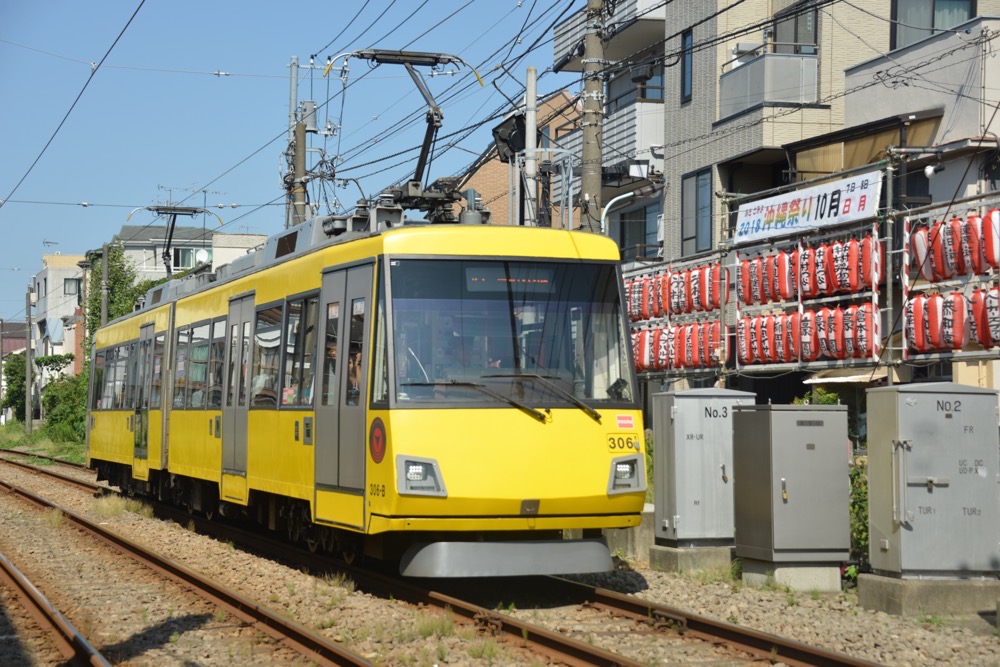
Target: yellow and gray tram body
(449, 397)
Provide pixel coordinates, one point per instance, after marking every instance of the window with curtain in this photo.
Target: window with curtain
(914, 20)
(696, 212)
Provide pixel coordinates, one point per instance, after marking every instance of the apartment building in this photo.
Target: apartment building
(633, 128)
(747, 82)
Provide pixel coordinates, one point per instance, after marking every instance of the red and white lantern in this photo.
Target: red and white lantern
(973, 245)
(835, 334)
(784, 278)
(864, 331)
(955, 322)
(696, 285)
(809, 348)
(743, 335)
(807, 273)
(991, 238)
(942, 252)
(921, 250)
(935, 321)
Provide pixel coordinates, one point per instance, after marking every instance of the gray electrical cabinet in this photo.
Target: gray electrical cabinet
(790, 464)
(933, 496)
(693, 451)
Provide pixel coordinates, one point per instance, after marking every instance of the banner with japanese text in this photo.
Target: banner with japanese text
(834, 203)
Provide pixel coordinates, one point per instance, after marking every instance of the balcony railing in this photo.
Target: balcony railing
(753, 80)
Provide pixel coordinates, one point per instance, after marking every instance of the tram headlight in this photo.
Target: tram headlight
(627, 474)
(419, 476)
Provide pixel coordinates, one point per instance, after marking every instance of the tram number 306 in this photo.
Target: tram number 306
(621, 442)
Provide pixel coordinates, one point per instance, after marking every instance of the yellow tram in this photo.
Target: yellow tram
(448, 397)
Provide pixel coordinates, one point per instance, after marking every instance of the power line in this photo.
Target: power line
(73, 106)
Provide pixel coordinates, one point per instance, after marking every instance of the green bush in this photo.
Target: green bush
(65, 403)
(13, 372)
(859, 509)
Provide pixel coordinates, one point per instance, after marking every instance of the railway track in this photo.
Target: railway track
(557, 646)
(53, 459)
(71, 644)
(292, 635)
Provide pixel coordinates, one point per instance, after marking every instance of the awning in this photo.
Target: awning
(848, 376)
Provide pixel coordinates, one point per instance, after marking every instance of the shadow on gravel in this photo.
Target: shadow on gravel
(161, 634)
(621, 580)
(11, 650)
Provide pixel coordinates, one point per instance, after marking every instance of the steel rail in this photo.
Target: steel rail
(71, 644)
(42, 456)
(761, 644)
(291, 634)
(80, 484)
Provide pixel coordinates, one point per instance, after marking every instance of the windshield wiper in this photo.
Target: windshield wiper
(554, 387)
(540, 416)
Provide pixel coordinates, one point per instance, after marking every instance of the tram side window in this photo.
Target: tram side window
(108, 390)
(380, 365)
(180, 370)
(216, 364)
(157, 384)
(300, 341)
(131, 375)
(266, 357)
(330, 353)
(97, 380)
(198, 349)
(355, 354)
(121, 377)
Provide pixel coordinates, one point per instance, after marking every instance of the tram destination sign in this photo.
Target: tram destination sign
(834, 203)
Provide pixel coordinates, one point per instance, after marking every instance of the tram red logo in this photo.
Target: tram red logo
(625, 421)
(377, 440)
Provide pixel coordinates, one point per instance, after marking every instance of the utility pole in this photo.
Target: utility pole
(530, 149)
(27, 363)
(293, 103)
(299, 184)
(105, 284)
(593, 117)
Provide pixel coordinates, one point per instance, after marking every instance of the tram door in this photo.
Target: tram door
(140, 417)
(341, 401)
(239, 346)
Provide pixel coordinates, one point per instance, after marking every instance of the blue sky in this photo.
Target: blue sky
(156, 124)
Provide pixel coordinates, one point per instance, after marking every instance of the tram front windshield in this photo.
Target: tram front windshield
(482, 331)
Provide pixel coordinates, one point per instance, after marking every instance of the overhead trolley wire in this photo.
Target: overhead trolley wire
(73, 106)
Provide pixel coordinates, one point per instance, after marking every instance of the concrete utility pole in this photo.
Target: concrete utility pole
(530, 149)
(105, 284)
(593, 117)
(27, 363)
(299, 185)
(293, 103)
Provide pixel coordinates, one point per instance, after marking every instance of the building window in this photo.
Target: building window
(687, 44)
(71, 286)
(913, 20)
(639, 232)
(187, 258)
(696, 212)
(796, 31)
(652, 89)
